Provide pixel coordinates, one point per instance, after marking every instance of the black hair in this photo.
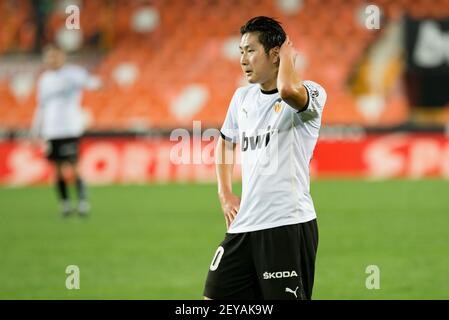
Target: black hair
(271, 34)
(52, 46)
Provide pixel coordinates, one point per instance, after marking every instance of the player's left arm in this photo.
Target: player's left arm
(83, 79)
(289, 83)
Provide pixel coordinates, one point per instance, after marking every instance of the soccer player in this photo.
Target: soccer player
(58, 120)
(271, 242)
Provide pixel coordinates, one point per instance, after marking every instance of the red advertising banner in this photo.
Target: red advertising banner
(139, 160)
(399, 155)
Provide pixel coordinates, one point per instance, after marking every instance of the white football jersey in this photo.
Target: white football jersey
(276, 146)
(59, 113)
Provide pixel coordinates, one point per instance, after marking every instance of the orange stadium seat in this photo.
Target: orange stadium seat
(186, 48)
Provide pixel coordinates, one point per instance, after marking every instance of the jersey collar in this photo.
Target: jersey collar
(270, 91)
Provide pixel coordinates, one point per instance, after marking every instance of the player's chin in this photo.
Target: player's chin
(251, 79)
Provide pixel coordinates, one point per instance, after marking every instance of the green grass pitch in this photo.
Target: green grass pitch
(157, 241)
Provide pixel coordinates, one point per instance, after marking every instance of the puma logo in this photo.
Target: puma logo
(291, 291)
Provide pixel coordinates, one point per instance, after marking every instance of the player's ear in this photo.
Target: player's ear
(274, 55)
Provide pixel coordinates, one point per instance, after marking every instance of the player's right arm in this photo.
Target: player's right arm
(35, 131)
(36, 126)
(225, 159)
(225, 156)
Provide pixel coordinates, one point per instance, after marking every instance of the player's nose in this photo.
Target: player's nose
(243, 60)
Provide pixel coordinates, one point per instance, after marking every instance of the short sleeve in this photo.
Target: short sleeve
(81, 78)
(78, 76)
(317, 100)
(230, 129)
(39, 90)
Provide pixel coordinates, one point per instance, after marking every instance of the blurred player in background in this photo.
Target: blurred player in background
(59, 121)
(272, 236)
